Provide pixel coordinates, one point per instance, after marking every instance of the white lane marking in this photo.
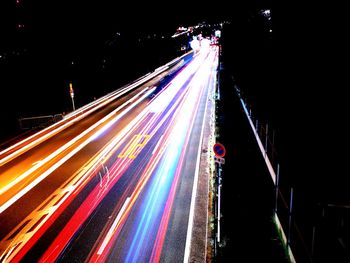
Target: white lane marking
(156, 148)
(111, 230)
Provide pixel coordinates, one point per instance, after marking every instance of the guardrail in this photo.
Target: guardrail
(38, 121)
(266, 145)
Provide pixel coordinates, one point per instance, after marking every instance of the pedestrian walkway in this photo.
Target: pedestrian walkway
(248, 233)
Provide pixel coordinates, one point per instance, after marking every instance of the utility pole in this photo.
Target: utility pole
(219, 151)
(71, 94)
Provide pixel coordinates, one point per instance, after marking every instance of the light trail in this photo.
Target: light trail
(61, 125)
(111, 230)
(64, 234)
(167, 173)
(84, 110)
(195, 184)
(176, 105)
(74, 187)
(136, 243)
(70, 154)
(67, 233)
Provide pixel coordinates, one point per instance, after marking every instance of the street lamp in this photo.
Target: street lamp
(72, 94)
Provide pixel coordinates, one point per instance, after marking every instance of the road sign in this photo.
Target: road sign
(219, 150)
(219, 160)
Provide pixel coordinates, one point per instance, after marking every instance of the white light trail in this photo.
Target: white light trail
(157, 145)
(194, 189)
(61, 127)
(105, 99)
(66, 157)
(111, 230)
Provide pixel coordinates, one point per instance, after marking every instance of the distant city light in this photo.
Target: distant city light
(205, 44)
(266, 13)
(181, 28)
(195, 45)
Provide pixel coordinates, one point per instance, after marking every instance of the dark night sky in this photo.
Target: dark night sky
(71, 25)
(103, 15)
(70, 28)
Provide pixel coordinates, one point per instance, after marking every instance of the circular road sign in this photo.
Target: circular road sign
(219, 150)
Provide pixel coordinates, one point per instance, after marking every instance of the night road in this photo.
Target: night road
(114, 180)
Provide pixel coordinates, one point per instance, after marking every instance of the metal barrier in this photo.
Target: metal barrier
(38, 121)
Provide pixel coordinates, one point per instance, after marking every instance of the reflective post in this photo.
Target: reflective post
(290, 216)
(266, 138)
(276, 186)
